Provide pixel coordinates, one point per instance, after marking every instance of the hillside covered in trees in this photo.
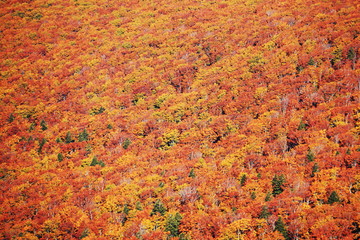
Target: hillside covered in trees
(139, 119)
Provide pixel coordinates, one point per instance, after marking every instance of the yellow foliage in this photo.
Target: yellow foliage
(339, 120)
(236, 229)
(153, 178)
(170, 138)
(269, 45)
(309, 45)
(114, 231)
(230, 159)
(155, 222)
(254, 145)
(260, 92)
(112, 204)
(27, 111)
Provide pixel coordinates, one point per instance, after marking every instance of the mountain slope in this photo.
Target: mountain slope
(180, 120)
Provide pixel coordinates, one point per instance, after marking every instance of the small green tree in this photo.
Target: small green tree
(351, 54)
(280, 226)
(43, 125)
(11, 118)
(60, 157)
(138, 206)
(172, 225)
(278, 184)
(311, 62)
(243, 180)
(264, 212)
(268, 196)
(310, 156)
(126, 211)
(126, 143)
(41, 145)
(253, 195)
(83, 136)
(315, 169)
(68, 138)
(192, 173)
(85, 233)
(95, 162)
(96, 111)
(32, 127)
(333, 198)
(158, 208)
(302, 126)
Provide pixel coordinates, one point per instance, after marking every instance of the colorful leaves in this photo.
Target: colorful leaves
(187, 119)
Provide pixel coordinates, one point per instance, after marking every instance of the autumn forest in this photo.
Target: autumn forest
(188, 120)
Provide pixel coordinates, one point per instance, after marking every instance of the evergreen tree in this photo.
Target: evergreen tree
(158, 208)
(83, 136)
(310, 156)
(351, 54)
(95, 162)
(11, 118)
(243, 180)
(264, 212)
(41, 145)
(68, 138)
(126, 211)
(253, 195)
(172, 225)
(138, 206)
(315, 169)
(268, 196)
(278, 184)
(60, 157)
(85, 233)
(43, 125)
(311, 62)
(302, 126)
(126, 143)
(280, 226)
(192, 173)
(333, 198)
(32, 126)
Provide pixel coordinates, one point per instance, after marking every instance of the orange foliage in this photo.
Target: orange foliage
(179, 119)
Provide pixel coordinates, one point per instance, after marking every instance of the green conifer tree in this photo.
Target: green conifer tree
(280, 226)
(243, 180)
(192, 173)
(11, 118)
(268, 196)
(333, 198)
(68, 138)
(95, 162)
(278, 184)
(158, 208)
(126, 143)
(41, 145)
(83, 136)
(264, 212)
(43, 125)
(310, 156)
(60, 157)
(172, 225)
(315, 169)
